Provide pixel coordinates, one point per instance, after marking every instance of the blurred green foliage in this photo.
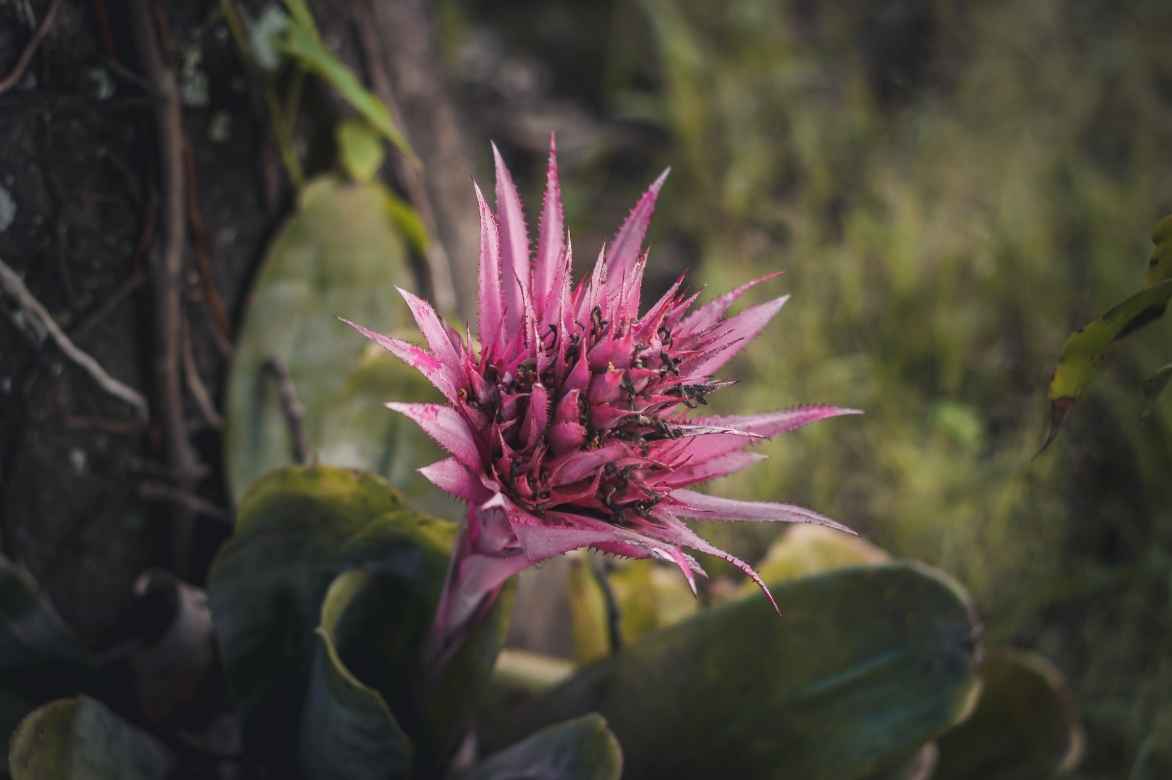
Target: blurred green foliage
(951, 189)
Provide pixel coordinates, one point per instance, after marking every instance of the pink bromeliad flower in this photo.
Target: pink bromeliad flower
(568, 422)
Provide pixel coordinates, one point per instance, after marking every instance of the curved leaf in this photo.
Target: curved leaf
(864, 666)
(581, 749)
(303, 44)
(79, 739)
(1086, 347)
(347, 729)
(297, 530)
(1024, 727)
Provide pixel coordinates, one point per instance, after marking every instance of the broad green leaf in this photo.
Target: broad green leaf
(1024, 727)
(581, 749)
(80, 739)
(360, 149)
(347, 729)
(648, 596)
(339, 255)
(303, 44)
(864, 666)
(812, 549)
(297, 530)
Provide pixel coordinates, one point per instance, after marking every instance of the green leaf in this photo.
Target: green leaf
(297, 530)
(347, 729)
(1024, 727)
(360, 149)
(339, 255)
(862, 668)
(581, 749)
(301, 14)
(409, 223)
(1085, 348)
(303, 44)
(79, 739)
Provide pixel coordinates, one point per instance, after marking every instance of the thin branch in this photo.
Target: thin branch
(221, 330)
(15, 287)
(17, 73)
(291, 407)
(161, 491)
(199, 391)
(110, 305)
(169, 270)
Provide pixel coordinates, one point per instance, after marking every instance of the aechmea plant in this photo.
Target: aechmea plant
(569, 421)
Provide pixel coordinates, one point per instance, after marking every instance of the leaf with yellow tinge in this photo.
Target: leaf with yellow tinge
(360, 149)
(303, 44)
(648, 597)
(1025, 726)
(1085, 348)
(80, 739)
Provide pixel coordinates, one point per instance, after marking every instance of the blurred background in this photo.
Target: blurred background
(950, 188)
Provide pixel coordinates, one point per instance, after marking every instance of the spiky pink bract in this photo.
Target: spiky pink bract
(568, 423)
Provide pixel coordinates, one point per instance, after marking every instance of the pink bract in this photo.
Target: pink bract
(568, 423)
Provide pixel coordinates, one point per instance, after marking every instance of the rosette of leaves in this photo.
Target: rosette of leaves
(873, 671)
(321, 603)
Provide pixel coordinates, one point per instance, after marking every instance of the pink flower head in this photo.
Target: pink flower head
(568, 423)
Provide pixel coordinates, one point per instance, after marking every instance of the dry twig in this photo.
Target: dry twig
(221, 330)
(199, 391)
(15, 287)
(168, 274)
(17, 73)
